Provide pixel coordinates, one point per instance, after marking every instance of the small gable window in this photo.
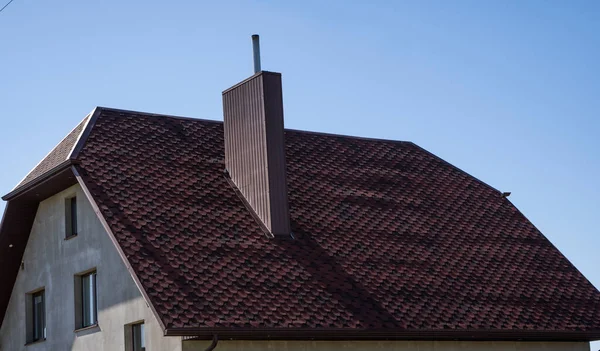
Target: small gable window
(71, 217)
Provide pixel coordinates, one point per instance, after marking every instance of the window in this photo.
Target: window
(137, 333)
(36, 316)
(88, 289)
(71, 216)
(86, 304)
(135, 337)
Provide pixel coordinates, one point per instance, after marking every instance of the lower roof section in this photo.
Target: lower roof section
(345, 334)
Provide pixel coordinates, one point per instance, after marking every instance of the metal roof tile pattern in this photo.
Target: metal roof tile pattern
(389, 237)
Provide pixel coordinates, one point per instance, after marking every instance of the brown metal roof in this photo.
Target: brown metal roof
(392, 242)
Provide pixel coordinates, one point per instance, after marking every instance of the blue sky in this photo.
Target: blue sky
(506, 90)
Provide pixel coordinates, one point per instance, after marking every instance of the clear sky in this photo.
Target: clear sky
(509, 91)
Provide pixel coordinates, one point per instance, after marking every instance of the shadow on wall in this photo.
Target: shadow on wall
(112, 319)
(119, 300)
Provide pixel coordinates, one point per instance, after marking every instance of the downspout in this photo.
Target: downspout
(214, 343)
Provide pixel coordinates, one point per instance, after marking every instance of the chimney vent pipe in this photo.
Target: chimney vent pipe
(256, 51)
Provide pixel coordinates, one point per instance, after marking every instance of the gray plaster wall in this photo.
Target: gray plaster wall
(226, 345)
(52, 262)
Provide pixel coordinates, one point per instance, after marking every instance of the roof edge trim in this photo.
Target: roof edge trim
(112, 237)
(152, 114)
(49, 152)
(2, 220)
(553, 245)
(27, 186)
(257, 74)
(346, 334)
(354, 137)
(87, 128)
(455, 167)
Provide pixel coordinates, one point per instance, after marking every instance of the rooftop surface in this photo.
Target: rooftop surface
(390, 239)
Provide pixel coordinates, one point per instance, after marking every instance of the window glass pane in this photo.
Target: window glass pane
(139, 342)
(85, 298)
(88, 298)
(73, 216)
(94, 306)
(39, 323)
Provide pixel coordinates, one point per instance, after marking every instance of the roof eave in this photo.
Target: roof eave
(39, 180)
(89, 121)
(358, 334)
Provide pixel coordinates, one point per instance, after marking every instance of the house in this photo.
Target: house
(150, 232)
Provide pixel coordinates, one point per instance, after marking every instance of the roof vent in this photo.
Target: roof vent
(255, 146)
(256, 52)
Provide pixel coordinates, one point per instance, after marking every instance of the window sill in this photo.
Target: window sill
(71, 237)
(35, 342)
(86, 328)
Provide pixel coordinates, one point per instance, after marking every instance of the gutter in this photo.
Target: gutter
(362, 334)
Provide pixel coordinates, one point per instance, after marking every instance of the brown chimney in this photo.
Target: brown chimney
(255, 147)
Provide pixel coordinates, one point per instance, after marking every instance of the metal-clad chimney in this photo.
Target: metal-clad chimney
(255, 146)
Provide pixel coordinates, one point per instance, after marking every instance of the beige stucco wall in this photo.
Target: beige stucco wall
(386, 346)
(51, 262)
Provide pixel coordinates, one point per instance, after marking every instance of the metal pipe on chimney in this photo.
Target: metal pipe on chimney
(256, 50)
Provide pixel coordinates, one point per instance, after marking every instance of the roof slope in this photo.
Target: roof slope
(57, 156)
(390, 237)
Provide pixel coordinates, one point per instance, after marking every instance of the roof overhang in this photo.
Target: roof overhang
(347, 334)
(56, 174)
(17, 222)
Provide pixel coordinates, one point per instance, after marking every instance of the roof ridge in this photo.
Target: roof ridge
(92, 116)
(97, 112)
(326, 134)
(151, 114)
(455, 167)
